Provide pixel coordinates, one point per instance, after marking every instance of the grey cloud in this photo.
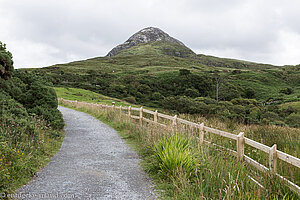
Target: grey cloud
(83, 29)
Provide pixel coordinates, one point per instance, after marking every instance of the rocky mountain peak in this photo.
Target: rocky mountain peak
(146, 35)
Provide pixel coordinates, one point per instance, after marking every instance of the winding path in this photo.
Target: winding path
(93, 163)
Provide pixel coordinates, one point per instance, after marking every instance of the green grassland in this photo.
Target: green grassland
(76, 94)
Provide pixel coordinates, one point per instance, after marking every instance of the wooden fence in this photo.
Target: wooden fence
(240, 139)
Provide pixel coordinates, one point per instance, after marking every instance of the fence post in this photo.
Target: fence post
(120, 109)
(175, 123)
(273, 158)
(129, 111)
(155, 116)
(240, 144)
(141, 116)
(201, 133)
(113, 105)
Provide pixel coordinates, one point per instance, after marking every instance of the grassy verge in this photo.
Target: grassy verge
(189, 171)
(26, 146)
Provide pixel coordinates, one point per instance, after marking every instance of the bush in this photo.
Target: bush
(191, 92)
(130, 100)
(293, 120)
(10, 107)
(51, 115)
(157, 96)
(249, 93)
(182, 104)
(40, 95)
(206, 100)
(286, 90)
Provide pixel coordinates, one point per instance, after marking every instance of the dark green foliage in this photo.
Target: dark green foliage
(249, 93)
(293, 120)
(39, 95)
(6, 63)
(26, 93)
(34, 94)
(51, 115)
(191, 92)
(157, 96)
(130, 100)
(287, 91)
(184, 72)
(30, 124)
(184, 104)
(11, 108)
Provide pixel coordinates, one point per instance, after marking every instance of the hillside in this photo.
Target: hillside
(153, 69)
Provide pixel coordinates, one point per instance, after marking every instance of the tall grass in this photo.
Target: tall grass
(173, 155)
(25, 147)
(286, 138)
(203, 172)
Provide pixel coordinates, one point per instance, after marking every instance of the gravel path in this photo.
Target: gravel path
(93, 163)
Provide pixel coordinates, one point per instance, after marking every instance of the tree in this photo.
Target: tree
(219, 80)
(6, 63)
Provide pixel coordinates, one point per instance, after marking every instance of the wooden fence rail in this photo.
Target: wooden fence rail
(240, 139)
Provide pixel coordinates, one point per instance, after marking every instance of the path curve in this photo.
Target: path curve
(93, 163)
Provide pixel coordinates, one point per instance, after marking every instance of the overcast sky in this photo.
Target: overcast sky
(46, 32)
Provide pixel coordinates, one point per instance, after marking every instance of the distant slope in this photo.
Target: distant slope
(232, 63)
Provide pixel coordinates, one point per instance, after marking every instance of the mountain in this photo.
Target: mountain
(156, 41)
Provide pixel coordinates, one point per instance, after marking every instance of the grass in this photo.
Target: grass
(174, 155)
(217, 175)
(286, 138)
(25, 148)
(77, 94)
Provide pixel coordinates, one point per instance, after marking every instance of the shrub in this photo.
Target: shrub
(184, 72)
(51, 115)
(206, 100)
(286, 90)
(191, 92)
(249, 93)
(157, 96)
(130, 100)
(270, 116)
(293, 120)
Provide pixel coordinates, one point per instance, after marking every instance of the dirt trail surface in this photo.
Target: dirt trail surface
(93, 163)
